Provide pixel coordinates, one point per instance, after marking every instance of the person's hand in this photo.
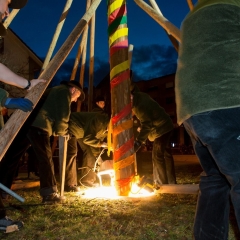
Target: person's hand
(34, 82)
(23, 104)
(137, 145)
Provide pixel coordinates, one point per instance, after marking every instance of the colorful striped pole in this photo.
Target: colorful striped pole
(121, 122)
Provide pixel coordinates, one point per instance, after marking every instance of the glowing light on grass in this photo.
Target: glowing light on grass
(137, 191)
(101, 192)
(111, 193)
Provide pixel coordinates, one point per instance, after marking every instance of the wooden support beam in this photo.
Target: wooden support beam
(190, 4)
(91, 63)
(24, 184)
(168, 26)
(13, 125)
(171, 38)
(11, 16)
(82, 45)
(179, 189)
(57, 33)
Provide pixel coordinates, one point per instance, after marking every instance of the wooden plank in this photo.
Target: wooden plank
(24, 184)
(168, 26)
(179, 189)
(13, 125)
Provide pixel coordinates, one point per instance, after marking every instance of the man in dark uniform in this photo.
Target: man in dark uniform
(52, 120)
(88, 129)
(157, 126)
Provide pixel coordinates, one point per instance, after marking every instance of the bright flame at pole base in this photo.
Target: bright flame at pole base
(110, 192)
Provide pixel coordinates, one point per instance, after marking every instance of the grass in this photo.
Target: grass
(164, 216)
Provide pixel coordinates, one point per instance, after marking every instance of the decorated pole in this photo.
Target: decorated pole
(121, 122)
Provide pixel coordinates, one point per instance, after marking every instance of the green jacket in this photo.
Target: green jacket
(154, 120)
(89, 126)
(53, 117)
(206, 3)
(3, 97)
(208, 71)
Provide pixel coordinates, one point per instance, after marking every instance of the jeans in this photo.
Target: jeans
(163, 164)
(216, 140)
(40, 141)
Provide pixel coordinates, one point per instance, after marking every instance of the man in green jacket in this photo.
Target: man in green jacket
(208, 105)
(88, 129)
(52, 120)
(157, 126)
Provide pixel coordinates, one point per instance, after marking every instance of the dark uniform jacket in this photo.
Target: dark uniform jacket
(154, 120)
(90, 126)
(53, 117)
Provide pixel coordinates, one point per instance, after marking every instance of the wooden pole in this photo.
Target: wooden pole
(123, 152)
(83, 64)
(179, 189)
(13, 125)
(57, 33)
(80, 48)
(91, 63)
(11, 16)
(171, 38)
(62, 161)
(130, 51)
(168, 26)
(190, 4)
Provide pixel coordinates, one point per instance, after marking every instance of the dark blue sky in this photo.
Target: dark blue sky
(153, 54)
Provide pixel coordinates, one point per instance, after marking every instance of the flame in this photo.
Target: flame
(111, 193)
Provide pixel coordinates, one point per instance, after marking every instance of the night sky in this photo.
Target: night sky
(153, 54)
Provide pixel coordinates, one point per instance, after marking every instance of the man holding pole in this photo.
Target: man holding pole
(7, 76)
(52, 120)
(88, 129)
(157, 126)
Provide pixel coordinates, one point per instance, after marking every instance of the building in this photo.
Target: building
(18, 57)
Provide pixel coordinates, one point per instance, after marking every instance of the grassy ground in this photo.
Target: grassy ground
(165, 216)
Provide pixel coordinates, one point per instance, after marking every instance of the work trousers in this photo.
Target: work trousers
(40, 141)
(10, 161)
(87, 176)
(162, 159)
(216, 140)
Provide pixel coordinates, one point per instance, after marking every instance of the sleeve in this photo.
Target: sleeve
(62, 114)
(90, 133)
(145, 131)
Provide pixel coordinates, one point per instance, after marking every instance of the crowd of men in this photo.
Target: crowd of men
(207, 98)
